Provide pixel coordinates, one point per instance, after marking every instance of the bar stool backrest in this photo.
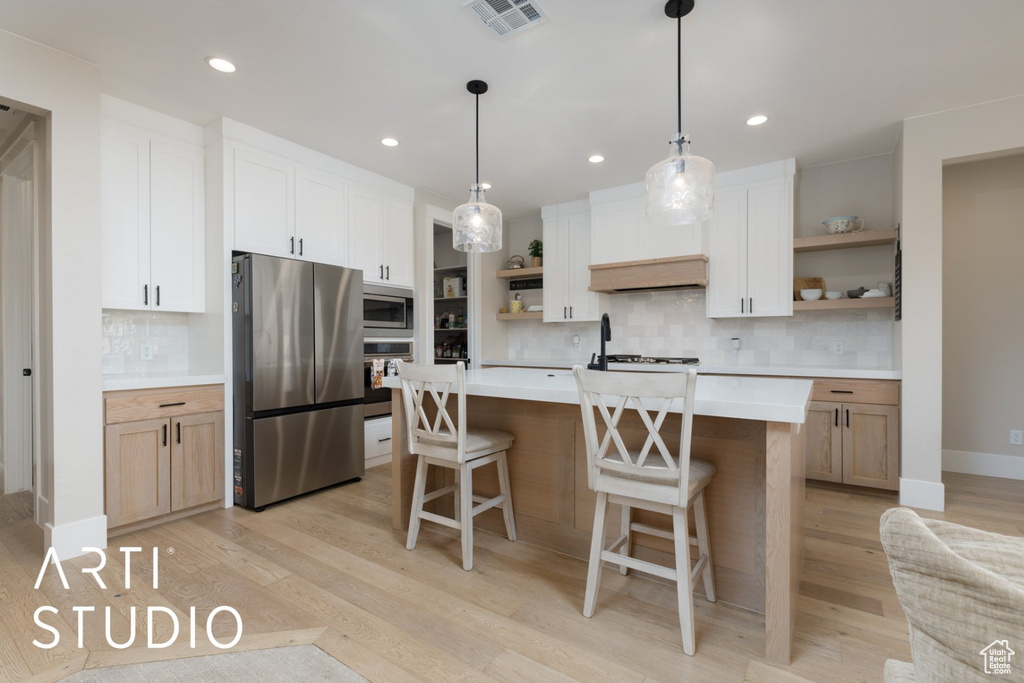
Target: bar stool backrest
(440, 437)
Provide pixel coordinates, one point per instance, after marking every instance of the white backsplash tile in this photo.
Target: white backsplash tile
(124, 332)
(675, 324)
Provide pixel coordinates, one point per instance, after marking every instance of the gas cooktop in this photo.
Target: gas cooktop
(647, 360)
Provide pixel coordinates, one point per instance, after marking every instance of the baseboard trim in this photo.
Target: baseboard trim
(926, 495)
(69, 539)
(378, 460)
(983, 464)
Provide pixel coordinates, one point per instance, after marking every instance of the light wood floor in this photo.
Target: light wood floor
(328, 569)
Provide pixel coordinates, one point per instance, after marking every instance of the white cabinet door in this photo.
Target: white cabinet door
(727, 255)
(320, 217)
(124, 202)
(584, 305)
(769, 249)
(177, 228)
(364, 233)
(264, 204)
(556, 270)
(398, 244)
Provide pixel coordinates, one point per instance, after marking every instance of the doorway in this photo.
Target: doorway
(19, 223)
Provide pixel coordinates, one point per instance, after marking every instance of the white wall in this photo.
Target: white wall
(69, 367)
(927, 143)
(983, 319)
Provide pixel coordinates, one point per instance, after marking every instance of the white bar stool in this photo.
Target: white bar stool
(650, 479)
(447, 443)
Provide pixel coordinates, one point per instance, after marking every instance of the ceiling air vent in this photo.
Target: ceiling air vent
(507, 17)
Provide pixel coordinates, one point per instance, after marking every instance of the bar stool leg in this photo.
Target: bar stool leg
(704, 545)
(596, 547)
(684, 591)
(418, 491)
(627, 547)
(505, 488)
(466, 504)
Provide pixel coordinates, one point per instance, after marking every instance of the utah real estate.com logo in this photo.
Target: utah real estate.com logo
(997, 657)
(167, 615)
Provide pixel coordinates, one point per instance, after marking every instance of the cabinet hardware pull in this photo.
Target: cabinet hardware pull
(385, 439)
(842, 391)
(847, 418)
(171, 405)
(751, 307)
(837, 417)
(158, 295)
(291, 249)
(179, 432)
(388, 276)
(145, 295)
(382, 272)
(570, 311)
(564, 313)
(743, 305)
(300, 246)
(165, 435)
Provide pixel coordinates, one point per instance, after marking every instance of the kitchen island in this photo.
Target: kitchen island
(750, 428)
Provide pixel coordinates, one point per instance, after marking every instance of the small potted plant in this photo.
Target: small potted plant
(536, 252)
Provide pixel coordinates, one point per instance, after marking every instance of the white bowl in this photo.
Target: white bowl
(833, 295)
(810, 294)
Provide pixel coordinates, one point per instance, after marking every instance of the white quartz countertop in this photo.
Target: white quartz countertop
(765, 370)
(746, 398)
(123, 382)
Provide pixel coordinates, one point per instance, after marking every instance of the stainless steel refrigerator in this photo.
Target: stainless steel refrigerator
(298, 377)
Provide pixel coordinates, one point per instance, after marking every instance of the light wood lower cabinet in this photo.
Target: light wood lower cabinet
(163, 459)
(855, 443)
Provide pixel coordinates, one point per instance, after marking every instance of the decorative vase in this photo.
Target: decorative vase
(535, 261)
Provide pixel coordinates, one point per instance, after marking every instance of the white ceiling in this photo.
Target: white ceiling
(835, 76)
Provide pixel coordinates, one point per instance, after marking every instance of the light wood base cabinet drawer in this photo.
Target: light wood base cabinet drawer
(857, 391)
(165, 465)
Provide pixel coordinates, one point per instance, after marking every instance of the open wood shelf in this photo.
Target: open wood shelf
(844, 304)
(520, 273)
(868, 238)
(529, 315)
(452, 269)
(451, 298)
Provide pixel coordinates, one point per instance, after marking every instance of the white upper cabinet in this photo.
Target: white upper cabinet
(320, 217)
(124, 207)
(153, 221)
(620, 230)
(750, 240)
(567, 249)
(264, 203)
(380, 237)
(177, 227)
(398, 243)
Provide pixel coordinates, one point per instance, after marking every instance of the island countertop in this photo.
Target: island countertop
(745, 398)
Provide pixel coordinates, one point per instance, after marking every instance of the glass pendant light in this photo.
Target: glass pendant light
(476, 225)
(681, 188)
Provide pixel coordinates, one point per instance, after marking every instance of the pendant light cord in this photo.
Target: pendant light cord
(478, 141)
(679, 73)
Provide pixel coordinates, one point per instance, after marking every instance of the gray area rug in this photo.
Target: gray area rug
(298, 663)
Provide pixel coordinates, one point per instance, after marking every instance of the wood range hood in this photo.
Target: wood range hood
(658, 274)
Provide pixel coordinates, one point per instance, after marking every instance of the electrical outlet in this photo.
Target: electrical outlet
(146, 352)
(1016, 437)
(576, 341)
(837, 347)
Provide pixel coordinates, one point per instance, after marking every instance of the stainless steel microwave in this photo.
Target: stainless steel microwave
(387, 311)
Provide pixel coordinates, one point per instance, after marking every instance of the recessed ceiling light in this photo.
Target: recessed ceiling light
(757, 120)
(389, 142)
(221, 64)
(596, 159)
(485, 186)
